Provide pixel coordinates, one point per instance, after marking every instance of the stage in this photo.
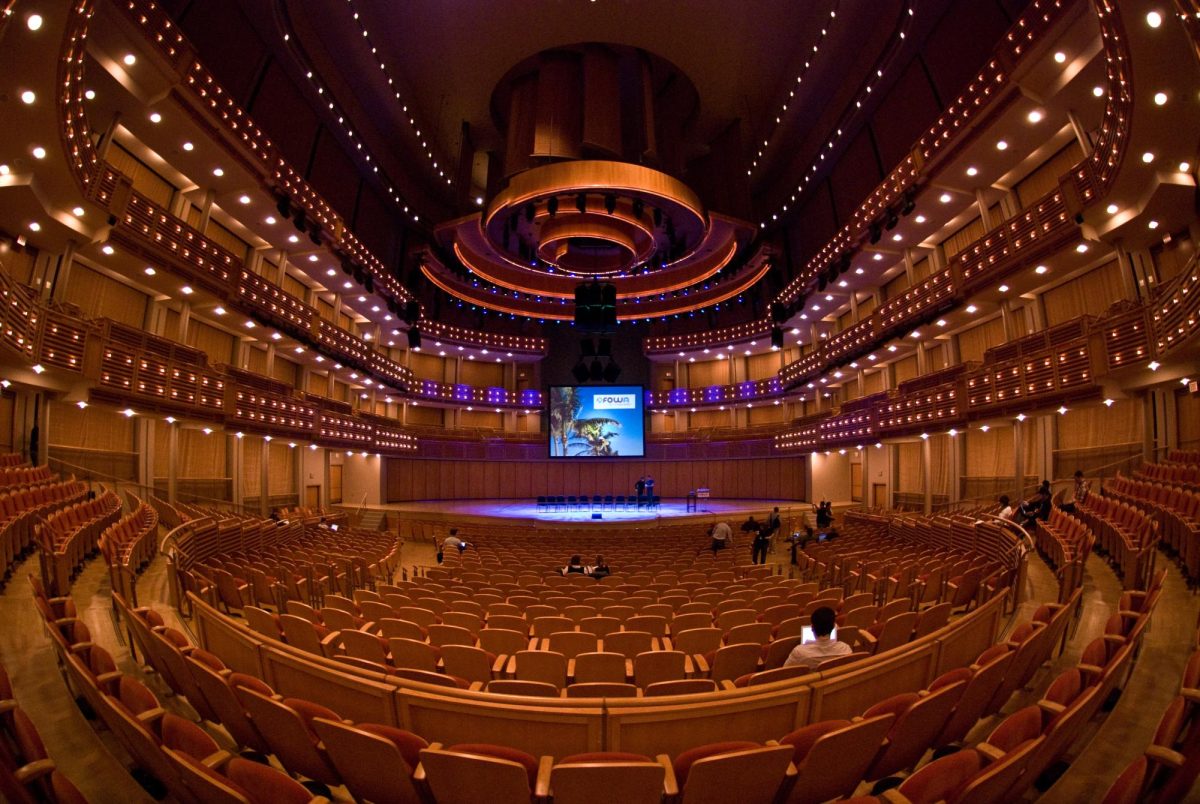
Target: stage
(673, 511)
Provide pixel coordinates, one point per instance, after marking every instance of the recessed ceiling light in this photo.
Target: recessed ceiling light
(1041, 269)
(33, 22)
(275, 336)
(1002, 145)
(1035, 116)
(5, 170)
(90, 94)
(330, 272)
(269, 220)
(34, 226)
(972, 308)
(1154, 19)
(944, 198)
(858, 271)
(1185, 167)
(1112, 209)
(186, 290)
(1082, 248)
(897, 237)
(1060, 57)
(828, 297)
(293, 239)
(878, 257)
(245, 199)
(1152, 225)
(187, 146)
(249, 324)
(108, 250)
(313, 258)
(78, 212)
(1098, 91)
(155, 117)
(941, 322)
(38, 152)
(219, 310)
(1003, 288)
(129, 59)
(1160, 98)
(28, 97)
(1154, 364)
(843, 284)
(1148, 157)
(972, 171)
(478, 200)
(919, 219)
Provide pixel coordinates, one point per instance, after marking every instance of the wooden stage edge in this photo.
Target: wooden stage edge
(524, 512)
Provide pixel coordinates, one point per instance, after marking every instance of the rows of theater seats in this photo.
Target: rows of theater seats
(1168, 769)
(27, 773)
(1031, 745)
(23, 506)
(1178, 512)
(245, 560)
(129, 545)
(1065, 542)
(823, 760)
(1124, 533)
(69, 535)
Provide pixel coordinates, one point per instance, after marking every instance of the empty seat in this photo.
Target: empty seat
(627, 778)
(471, 773)
(751, 772)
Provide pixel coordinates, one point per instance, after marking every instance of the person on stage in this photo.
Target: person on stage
(640, 488)
(649, 490)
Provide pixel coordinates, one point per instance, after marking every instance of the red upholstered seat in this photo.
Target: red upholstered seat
(406, 742)
(528, 761)
(605, 756)
(683, 763)
(265, 785)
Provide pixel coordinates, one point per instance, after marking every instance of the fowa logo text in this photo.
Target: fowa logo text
(614, 402)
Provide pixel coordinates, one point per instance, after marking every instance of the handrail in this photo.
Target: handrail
(149, 490)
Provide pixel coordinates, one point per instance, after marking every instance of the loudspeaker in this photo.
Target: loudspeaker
(414, 338)
(611, 371)
(777, 337)
(412, 310)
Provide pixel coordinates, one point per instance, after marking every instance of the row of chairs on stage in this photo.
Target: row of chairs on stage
(597, 502)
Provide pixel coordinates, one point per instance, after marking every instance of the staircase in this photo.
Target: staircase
(373, 520)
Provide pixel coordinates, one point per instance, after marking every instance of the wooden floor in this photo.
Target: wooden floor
(91, 758)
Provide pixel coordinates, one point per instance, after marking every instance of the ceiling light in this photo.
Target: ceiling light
(944, 198)
(858, 271)
(1108, 403)
(129, 59)
(1154, 19)
(1041, 269)
(1154, 364)
(941, 322)
(878, 257)
(313, 258)
(90, 94)
(1152, 225)
(1098, 91)
(218, 172)
(985, 427)
(5, 170)
(245, 199)
(293, 239)
(1002, 145)
(129, 413)
(219, 310)
(971, 308)
(897, 237)
(28, 97)
(187, 146)
(38, 368)
(249, 324)
(1148, 157)
(269, 220)
(155, 117)
(1082, 248)
(170, 420)
(1060, 57)
(108, 249)
(34, 226)
(1062, 410)
(1003, 288)
(275, 336)
(972, 171)
(81, 404)
(1160, 98)
(1020, 417)
(1034, 117)
(186, 290)
(77, 212)
(1185, 167)
(1112, 209)
(919, 219)
(33, 22)
(478, 200)
(38, 152)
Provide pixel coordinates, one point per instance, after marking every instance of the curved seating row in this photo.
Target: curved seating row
(68, 536)
(20, 511)
(1124, 533)
(1065, 542)
(129, 544)
(27, 773)
(1178, 512)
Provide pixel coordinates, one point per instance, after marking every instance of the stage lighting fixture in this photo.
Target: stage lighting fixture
(414, 338)
(581, 202)
(369, 284)
(639, 207)
(843, 264)
(552, 206)
(596, 372)
(580, 372)
(284, 207)
(412, 311)
(611, 372)
(777, 337)
(909, 203)
(779, 312)
(891, 219)
(610, 203)
(529, 210)
(874, 233)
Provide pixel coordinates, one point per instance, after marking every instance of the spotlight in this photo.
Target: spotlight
(610, 203)
(414, 338)
(777, 337)
(552, 206)
(581, 203)
(891, 219)
(412, 311)
(874, 233)
(909, 203)
(639, 207)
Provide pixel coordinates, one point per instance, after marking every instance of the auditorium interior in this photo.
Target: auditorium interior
(374, 378)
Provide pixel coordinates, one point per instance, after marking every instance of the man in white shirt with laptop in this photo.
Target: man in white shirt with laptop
(823, 646)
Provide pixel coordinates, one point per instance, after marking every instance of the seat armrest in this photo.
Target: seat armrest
(689, 667)
(34, 770)
(1051, 707)
(670, 783)
(476, 686)
(1190, 694)
(152, 715)
(1090, 669)
(81, 647)
(329, 645)
(666, 643)
(1165, 756)
(570, 671)
(510, 669)
(541, 787)
(108, 678)
(989, 751)
(726, 684)
(699, 664)
(498, 665)
(217, 759)
(894, 796)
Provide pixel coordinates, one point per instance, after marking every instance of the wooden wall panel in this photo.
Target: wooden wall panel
(434, 478)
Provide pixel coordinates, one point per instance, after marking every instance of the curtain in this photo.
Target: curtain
(98, 295)
(1090, 294)
(973, 342)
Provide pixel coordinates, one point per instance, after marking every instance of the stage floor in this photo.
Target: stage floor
(673, 510)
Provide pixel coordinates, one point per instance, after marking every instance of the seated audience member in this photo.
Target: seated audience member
(451, 541)
(1077, 494)
(722, 536)
(599, 569)
(751, 525)
(574, 567)
(1006, 509)
(824, 512)
(811, 654)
